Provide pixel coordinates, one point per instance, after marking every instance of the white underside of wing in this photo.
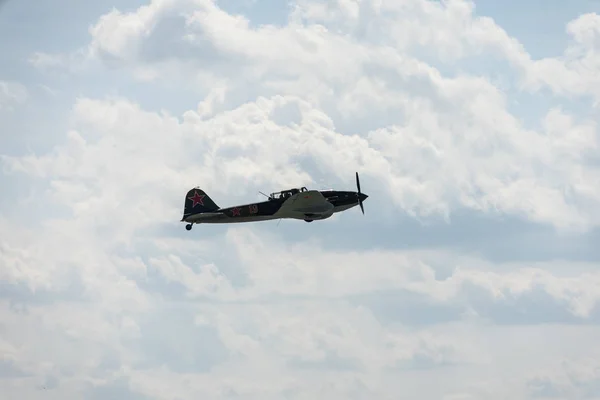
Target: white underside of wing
(299, 205)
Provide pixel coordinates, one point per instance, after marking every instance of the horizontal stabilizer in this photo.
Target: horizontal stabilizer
(206, 217)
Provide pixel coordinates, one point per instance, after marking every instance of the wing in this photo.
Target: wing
(311, 201)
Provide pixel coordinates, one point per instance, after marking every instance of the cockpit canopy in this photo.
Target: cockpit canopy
(287, 193)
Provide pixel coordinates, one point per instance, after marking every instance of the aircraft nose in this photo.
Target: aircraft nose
(363, 197)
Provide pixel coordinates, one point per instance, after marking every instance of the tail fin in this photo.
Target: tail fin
(197, 201)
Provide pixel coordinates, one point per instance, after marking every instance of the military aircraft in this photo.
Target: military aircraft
(297, 203)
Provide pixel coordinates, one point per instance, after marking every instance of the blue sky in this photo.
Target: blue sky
(475, 266)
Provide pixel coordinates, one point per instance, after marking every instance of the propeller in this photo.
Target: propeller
(359, 194)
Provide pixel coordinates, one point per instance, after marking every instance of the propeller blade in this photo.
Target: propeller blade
(358, 194)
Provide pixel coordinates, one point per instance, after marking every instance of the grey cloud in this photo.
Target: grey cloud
(9, 369)
(169, 336)
(118, 389)
(50, 382)
(422, 360)
(330, 361)
(408, 308)
(535, 306)
(541, 388)
(570, 388)
(351, 386)
(155, 283)
(20, 296)
(496, 238)
(167, 41)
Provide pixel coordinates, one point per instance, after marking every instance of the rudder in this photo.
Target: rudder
(197, 202)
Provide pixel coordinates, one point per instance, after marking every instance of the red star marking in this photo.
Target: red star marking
(197, 199)
(236, 211)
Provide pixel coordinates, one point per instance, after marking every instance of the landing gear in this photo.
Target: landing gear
(188, 227)
(308, 220)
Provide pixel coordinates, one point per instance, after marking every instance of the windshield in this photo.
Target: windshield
(287, 193)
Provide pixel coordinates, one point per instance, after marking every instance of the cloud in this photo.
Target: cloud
(544, 176)
(315, 47)
(103, 293)
(576, 74)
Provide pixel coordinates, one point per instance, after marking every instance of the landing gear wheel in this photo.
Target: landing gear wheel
(308, 220)
(188, 227)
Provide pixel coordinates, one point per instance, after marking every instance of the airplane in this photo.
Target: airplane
(296, 203)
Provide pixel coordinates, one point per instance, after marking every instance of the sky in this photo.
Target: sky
(473, 274)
